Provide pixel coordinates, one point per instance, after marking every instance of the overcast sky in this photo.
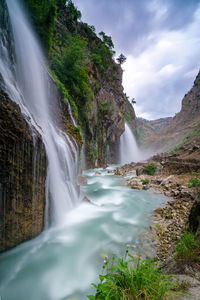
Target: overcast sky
(161, 40)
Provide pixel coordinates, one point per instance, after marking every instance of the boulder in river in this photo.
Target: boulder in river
(85, 199)
(82, 180)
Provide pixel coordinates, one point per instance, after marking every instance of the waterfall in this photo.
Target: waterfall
(129, 151)
(27, 82)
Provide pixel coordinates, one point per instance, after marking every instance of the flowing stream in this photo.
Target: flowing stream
(63, 261)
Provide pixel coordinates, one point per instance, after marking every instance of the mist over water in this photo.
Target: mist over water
(28, 84)
(129, 150)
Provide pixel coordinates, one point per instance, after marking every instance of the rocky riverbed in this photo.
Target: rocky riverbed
(178, 215)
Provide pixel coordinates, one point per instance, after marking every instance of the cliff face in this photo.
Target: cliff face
(96, 96)
(106, 119)
(22, 177)
(146, 128)
(184, 127)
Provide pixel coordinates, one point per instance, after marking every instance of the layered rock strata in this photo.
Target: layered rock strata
(22, 177)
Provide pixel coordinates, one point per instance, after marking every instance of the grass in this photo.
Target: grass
(145, 181)
(187, 249)
(133, 279)
(150, 169)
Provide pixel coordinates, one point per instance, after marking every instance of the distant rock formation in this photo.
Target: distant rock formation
(184, 128)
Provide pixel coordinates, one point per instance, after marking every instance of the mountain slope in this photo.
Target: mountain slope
(184, 126)
(146, 128)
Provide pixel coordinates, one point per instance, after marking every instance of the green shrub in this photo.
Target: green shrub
(187, 249)
(134, 279)
(145, 181)
(70, 68)
(150, 169)
(127, 117)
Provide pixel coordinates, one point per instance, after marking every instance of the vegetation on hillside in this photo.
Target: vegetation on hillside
(81, 63)
(43, 15)
(73, 49)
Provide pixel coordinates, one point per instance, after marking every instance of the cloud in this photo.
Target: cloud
(160, 76)
(161, 41)
(131, 22)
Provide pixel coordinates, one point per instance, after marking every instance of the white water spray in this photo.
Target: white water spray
(129, 151)
(27, 83)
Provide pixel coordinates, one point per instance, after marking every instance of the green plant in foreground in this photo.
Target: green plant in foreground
(187, 249)
(145, 181)
(150, 169)
(134, 279)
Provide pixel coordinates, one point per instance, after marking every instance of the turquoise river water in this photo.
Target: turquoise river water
(62, 262)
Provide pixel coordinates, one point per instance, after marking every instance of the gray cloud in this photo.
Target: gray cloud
(133, 24)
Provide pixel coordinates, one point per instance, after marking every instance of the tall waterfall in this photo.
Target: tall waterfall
(26, 81)
(129, 151)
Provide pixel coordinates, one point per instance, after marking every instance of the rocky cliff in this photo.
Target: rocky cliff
(81, 63)
(184, 128)
(96, 96)
(22, 177)
(147, 128)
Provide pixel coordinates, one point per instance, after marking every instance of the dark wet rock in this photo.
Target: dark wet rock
(194, 219)
(22, 177)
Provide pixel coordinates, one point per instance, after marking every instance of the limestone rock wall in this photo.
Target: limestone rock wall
(107, 119)
(22, 177)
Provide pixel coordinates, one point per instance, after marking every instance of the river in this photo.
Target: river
(62, 262)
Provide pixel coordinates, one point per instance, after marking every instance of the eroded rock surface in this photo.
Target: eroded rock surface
(22, 177)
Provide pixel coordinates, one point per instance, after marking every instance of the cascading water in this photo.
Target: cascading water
(129, 151)
(27, 83)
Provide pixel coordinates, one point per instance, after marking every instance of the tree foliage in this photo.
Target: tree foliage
(71, 69)
(121, 59)
(107, 40)
(42, 13)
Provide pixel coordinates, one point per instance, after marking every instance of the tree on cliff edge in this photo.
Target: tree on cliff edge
(121, 59)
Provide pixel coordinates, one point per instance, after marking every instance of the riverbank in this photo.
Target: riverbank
(171, 177)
